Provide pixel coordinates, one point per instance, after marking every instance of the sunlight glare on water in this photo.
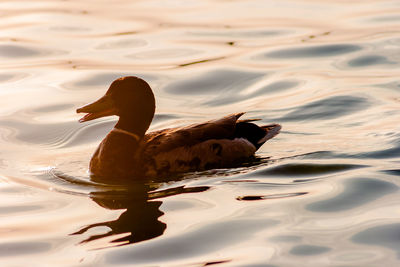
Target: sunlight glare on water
(325, 192)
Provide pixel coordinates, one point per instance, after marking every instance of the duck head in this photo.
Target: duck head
(130, 98)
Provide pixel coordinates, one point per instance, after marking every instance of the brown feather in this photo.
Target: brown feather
(168, 139)
(214, 153)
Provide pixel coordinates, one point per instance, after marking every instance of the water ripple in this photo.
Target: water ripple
(328, 108)
(274, 196)
(103, 80)
(122, 44)
(17, 51)
(312, 51)
(214, 82)
(13, 249)
(357, 192)
(386, 235)
(14, 51)
(11, 77)
(275, 87)
(370, 60)
(296, 169)
(195, 242)
(392, 152)
(235, 33)
(308, 250)
(164, 53)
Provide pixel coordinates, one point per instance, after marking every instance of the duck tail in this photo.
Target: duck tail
(255, 134)
(270, 131)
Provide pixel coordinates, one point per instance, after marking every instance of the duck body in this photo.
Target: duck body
(127, 151)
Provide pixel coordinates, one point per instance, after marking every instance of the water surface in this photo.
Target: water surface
(324, 192)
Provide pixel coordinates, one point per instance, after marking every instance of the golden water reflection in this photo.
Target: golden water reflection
(326, 70)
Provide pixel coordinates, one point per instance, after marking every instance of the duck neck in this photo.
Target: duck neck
(136, 124)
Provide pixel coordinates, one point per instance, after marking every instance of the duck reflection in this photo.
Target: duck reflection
(140, 220)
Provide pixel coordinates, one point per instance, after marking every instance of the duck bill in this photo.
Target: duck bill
(100, 108)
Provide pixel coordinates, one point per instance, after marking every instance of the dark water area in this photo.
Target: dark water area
(324, 192)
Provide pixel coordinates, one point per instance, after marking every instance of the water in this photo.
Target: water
(325, 192)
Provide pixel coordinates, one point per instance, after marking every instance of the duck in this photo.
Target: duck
(129, 150)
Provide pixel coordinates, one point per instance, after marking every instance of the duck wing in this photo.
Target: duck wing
(214, 144)
(169, 139)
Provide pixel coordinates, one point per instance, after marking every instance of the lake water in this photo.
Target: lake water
(326, 191)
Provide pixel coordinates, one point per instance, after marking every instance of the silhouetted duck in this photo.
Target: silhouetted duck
(128, 151)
